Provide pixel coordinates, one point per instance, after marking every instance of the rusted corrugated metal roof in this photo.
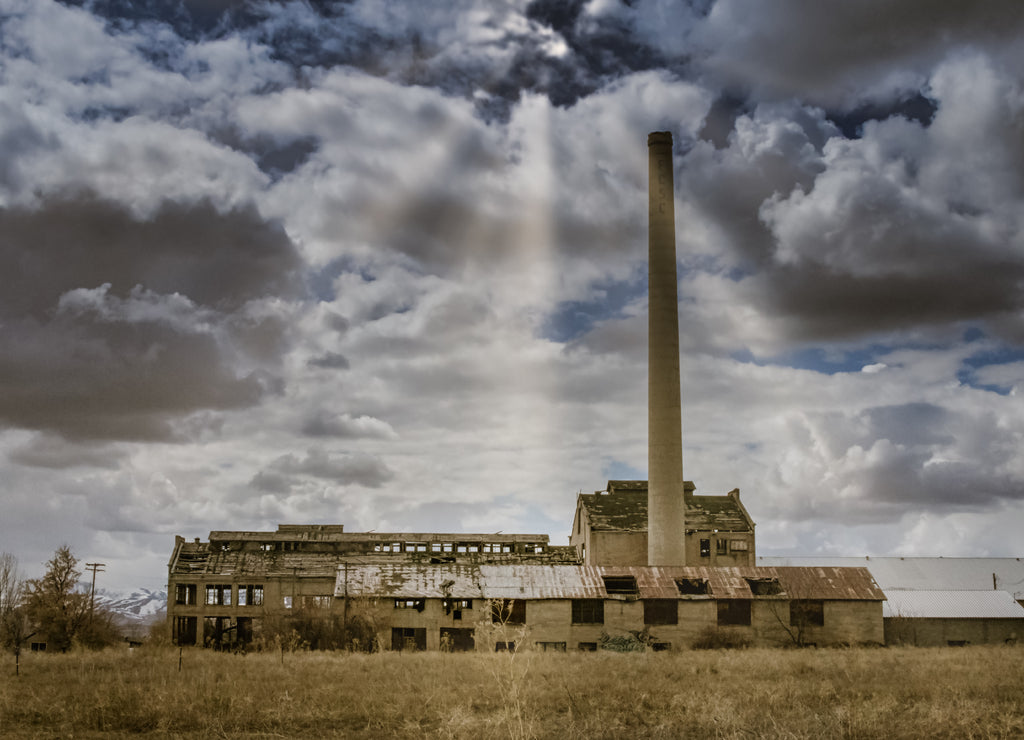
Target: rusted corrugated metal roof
(408, 581)
(257, 564)
(583, 582)
(952, 605)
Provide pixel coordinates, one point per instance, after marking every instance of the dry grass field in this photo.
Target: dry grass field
(973, 692)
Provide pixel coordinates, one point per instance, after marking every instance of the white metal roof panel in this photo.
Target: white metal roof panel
(951, 605)
(927, 574)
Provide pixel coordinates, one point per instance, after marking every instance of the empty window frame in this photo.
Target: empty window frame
(250, 595)
(456, 639)
(287, 601)
(185, 593)
(558, 647)
(408, 638)
(705, 548)
(588, 611)
(661, 611)
(508, 611)
(620, 584)
(764, 586)
(734, 612)
(693, 586)
(417, 604)
(318, 601)
(739, 545)
(185, 629)
(721, 546)
(807, 612)
(218, 595)
(455, 607)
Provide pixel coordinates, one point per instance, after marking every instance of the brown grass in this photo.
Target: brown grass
(970, 692)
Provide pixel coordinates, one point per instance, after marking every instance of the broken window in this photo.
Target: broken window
(693, 586)
(455, 607)
(620, 584)
(739, 545)
(508, 611)
(457, 639)
(587, 647)
(317, 602)
(185, 631)
(764, 586)
(267, 546)
(661, 611)
(250, 595)
(588, 611)
(287, 602)
(408, 638)
(705, 548)
(243, 630)
(804, 612)
(417, 604)
(558, 647)
(734, 611)
(218, 595)
(721, 547)
(185, 593)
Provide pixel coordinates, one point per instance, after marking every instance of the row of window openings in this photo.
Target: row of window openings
(247, 595)
(452, 547)
(723, 547)
(803, 612)
(619, 585)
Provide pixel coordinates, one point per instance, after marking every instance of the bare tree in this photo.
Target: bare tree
(14, 624)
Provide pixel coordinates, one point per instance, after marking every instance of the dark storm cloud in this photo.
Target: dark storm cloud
(330, 361)
(840, 54)
(344, 426)
(215, 259)
(288, 471)
(56, 453)
(115, 327)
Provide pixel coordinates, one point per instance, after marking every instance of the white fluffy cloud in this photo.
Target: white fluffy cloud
(384, 265)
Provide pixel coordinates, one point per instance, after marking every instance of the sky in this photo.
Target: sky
(382, 263)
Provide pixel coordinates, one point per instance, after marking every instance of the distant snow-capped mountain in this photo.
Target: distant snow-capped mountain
(140, 605)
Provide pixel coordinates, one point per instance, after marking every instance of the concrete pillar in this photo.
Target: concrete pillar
(666, 508)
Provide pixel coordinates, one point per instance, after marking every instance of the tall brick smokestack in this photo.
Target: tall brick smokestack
(666, 507)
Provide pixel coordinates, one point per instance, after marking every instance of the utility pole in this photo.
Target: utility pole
(94, 567)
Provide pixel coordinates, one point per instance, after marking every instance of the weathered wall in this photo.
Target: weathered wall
(937, 632)
(617, 548)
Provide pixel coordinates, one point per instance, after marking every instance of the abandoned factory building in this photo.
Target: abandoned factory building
(497, 591)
